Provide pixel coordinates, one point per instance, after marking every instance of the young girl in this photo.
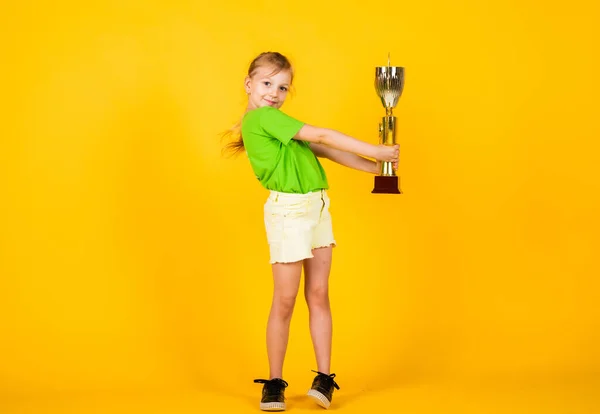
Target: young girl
(283, 153)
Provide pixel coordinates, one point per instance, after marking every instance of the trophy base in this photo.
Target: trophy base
(386, 185)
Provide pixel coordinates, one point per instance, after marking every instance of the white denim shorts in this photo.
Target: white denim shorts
(297, 223)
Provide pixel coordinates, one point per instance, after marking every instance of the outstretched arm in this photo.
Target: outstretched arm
(339, 141)
(347, 159)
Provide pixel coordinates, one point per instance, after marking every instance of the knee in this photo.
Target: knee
(317, 297)
(285, 305)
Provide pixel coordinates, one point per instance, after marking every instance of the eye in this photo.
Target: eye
(283, 88)
(267, 83)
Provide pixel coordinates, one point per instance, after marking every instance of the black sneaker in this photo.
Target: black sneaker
(273, 394)
(322, 389)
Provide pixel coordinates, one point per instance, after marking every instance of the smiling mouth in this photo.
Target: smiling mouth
(270, 102)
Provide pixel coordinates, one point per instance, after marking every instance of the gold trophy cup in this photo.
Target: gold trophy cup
(389, 84)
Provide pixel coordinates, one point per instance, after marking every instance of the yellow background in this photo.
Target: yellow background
(132, 253)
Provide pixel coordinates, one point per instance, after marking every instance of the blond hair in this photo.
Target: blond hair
(279, 63)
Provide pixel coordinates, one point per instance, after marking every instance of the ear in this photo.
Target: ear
(247, 84)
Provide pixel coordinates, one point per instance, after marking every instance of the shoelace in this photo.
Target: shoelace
(272, 384)
(329, 377)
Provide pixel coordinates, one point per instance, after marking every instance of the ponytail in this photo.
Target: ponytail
(236, 141)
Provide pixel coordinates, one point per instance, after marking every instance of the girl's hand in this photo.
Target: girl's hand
(388, 153)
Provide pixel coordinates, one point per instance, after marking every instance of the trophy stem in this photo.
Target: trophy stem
(388, 137)
(387, 182)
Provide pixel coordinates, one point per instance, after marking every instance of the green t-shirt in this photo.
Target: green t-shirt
(279, 162)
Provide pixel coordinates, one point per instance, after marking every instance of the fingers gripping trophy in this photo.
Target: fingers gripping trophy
(389, 84)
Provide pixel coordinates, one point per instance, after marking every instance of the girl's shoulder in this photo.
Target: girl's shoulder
(261, 110)
(262, 114)
(253, 113)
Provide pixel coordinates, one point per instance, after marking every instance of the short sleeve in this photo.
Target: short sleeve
(280, 125)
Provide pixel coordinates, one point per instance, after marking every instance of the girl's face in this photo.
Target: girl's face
(266, 88)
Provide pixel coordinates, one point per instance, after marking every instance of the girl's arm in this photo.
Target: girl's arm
(337, 140)
(345, 158)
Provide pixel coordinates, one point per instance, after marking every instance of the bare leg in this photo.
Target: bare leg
(286, 278)
(316, 292)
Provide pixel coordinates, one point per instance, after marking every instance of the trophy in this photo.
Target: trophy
(389, 83)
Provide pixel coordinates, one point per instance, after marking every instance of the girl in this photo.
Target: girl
(283, 153)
